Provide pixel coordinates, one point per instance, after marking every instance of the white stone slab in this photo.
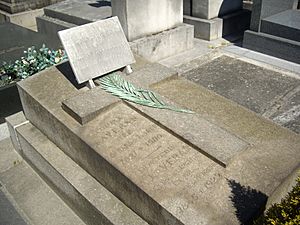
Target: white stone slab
(96, 49)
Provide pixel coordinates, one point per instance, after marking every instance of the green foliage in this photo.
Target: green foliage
(121, 88)
(286, 212)
(32, 62)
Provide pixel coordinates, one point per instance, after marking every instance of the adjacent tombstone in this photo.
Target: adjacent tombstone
(154, 27)
(23, 12)
(91, 54)
(275, 29)
(216, 18)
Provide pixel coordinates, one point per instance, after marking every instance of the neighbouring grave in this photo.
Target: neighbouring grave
(22, 12)
(159, 36)
(216, 166)
(275, 29)
(213, 19)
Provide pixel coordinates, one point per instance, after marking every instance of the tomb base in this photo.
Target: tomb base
(211, 29)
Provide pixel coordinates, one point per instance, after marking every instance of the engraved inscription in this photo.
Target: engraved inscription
(159, 163)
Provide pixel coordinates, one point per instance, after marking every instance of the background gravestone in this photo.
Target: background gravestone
(275, 29)
(91, 54)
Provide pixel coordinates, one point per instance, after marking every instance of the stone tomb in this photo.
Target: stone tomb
(96, 49)
(275, 29)
(216, 166)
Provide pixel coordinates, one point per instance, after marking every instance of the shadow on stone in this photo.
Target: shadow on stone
(66, 69)
(10, 102)
(249, 203)
(100, 4)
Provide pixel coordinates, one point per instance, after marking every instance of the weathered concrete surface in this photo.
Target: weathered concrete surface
(30, 196)
(88, 198)
(164, 44)
(152, 171)
(143, 18)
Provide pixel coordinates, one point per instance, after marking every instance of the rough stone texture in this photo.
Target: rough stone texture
(161, 178)
(254, 87)
(24, 19)
(282, 191)
(12, 122)
(167, 43)
(9, 158)
(24, 5)
(141, 18)
(272, 45)
(88, 198)
(32, 197)
(96, 49)
(208, 9)
(265, 8)
(285, 24)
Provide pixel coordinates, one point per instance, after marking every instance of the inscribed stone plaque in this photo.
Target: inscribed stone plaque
(97, 48)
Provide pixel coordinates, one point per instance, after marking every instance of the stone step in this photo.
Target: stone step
(87, 197)
(34, 202)
(265, 43)
(285, 24)
(66, 17)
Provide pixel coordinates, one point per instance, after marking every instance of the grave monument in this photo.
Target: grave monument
(275, 29)
(22, 12)
(214, 19)
(118, 162)
(160, 35)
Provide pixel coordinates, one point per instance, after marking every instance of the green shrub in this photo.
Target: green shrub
(32, 62)
(286, 212)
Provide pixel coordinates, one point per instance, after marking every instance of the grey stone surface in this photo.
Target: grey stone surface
(205, 29)
(8, 214)
(272, 45)
(14, 40)
(282, 191)
(4, 133)
(208, 9)
(209, 139)
(247, 84)
(270, 60)
(96, 49)
(24, 19)
(164, 44)
(12, 122)
(285, 24)
(140, 18)
(87, 197)
(9, 102)
(212, 29)
(265, 8)
(24, 5)
(28, 194)
(154, 172)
